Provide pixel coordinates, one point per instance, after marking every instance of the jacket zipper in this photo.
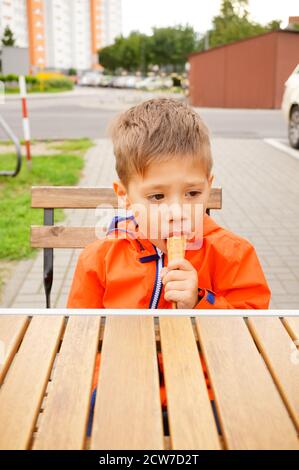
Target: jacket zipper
(158, 282)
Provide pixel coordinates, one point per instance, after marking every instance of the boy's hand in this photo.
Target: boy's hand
(181, 283)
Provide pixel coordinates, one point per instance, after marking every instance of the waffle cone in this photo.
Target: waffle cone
(176, 247)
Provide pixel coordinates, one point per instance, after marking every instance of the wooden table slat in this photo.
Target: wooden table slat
(190, 415)
(128, 411)
(12, 329)
(251, 411)
(281, 356)
(64, 420)
(292, 325)
(23, 389)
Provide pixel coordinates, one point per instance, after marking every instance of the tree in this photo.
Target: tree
(8, 37)
(172, 45)
(273, 25)
(108, 58)
(129, 53)
(165, 47)
(234, 23)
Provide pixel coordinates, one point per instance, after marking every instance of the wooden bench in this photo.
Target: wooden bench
(50, 236)
(47, 371)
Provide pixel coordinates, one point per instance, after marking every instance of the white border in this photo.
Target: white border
(150, 312)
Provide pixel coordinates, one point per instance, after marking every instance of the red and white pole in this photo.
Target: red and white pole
(26, 126)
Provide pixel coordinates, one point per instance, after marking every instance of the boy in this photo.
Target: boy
(163, 158)
(164, 165)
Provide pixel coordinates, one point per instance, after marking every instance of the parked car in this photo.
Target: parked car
(119, 82)
(167, 82)
(131, 81)
(290, 107)
(91, 78)
(106, 80)
(150, 83)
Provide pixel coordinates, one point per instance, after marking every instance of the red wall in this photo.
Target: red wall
(247, 74)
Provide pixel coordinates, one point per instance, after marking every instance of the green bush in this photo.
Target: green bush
(57, 84)
(31, 80)
(9, 78)
(34, 84)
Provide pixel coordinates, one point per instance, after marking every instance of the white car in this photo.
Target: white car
(90, 78)
(290, 107)
(150, 84)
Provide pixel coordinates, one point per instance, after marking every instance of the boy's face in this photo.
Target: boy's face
(170, 199)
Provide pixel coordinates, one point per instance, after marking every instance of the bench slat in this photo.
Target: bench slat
(22, 391)
(277, 347)
(68, 197)
(127, 409)
(12, 329)
(64, 420)
(62, 237)
(192, 425)
(251, 411)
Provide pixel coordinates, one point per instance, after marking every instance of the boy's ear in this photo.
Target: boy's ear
(121, 193)
(210, 180)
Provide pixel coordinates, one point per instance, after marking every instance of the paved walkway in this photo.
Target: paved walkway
(260, 203)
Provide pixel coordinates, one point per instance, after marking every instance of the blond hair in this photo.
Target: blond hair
(157, 130)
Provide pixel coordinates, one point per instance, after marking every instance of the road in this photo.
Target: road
(87, 112)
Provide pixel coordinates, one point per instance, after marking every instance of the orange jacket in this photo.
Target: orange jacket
(122, 271)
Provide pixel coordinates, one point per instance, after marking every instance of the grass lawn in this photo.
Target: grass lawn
(15, 194)
(16, 91)
(72, 145)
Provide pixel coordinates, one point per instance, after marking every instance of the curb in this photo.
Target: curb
(278, 144)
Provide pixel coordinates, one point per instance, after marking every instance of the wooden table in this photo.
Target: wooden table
(47, 371)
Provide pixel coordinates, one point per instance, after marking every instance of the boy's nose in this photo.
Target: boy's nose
(176, 213)
(175, 208)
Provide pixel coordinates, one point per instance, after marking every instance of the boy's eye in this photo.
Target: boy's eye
(156, 197)
(193, 193)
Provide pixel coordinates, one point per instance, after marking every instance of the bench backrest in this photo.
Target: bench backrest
(49, 236)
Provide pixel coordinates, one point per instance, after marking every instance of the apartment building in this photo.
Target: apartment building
(111, 25)
(35, 28)
(62, 34)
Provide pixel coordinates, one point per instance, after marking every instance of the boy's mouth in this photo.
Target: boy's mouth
(178, 233)
(170, 235)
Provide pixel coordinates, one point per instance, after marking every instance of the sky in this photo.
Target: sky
(142, 15)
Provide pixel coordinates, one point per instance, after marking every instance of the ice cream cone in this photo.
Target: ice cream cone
(176, 247)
